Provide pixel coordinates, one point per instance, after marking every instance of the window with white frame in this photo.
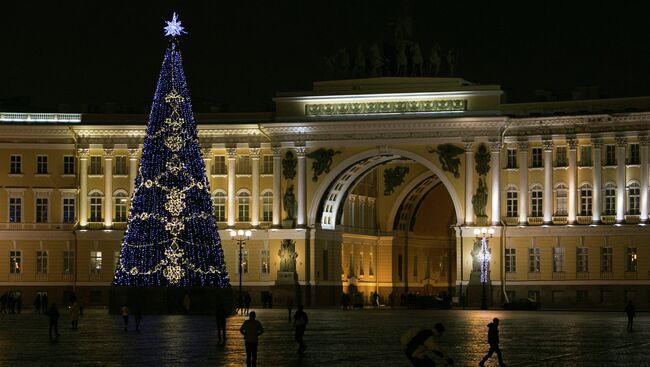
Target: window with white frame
(120, 165)
(68, 165)
(606, 260)
(16, 164)
(243, 205)
(68, 262)
(561, 193)
(558, 259)
(512, 203)
(41, 262)
(536, 155)
(512, 158)
(41, 209)
(560, 157)
(582, 259)
(267, 165)
(15, 262)
(96, 207)
(511, 260)
(631, 259)
(243, 165)
(219, 206)
(41, 164)
(120, 207)
(634, 154)
(610, 155)
(219, 167)
(609, 204)
(265, 262)
(95, 165)
(536, 208)
(267, 206)
(534, 259)
(633, 198)
(68, 210)
(244, 261)
(585, 199)
(585, 155)
(95, 262)
(15, 209)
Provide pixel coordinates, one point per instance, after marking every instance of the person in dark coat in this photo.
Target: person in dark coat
(44, 304)
(251, 329)
(53, 314)
(300, 321)
(247, 302)
(137, 316)
(493, 340)
(3, 302)
(631, 312)
(37, 303)
(19, 303)
(221, 325)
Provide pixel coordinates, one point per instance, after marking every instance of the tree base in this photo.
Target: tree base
(171, 300)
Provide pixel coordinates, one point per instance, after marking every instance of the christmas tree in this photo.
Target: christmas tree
(171, 238)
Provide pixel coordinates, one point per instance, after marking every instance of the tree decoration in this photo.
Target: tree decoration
(171, 238)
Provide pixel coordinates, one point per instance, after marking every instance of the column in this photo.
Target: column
(643, 142)
(548, 181)
(206, 153)
(523, 181)
(255, 195)
(301, 152)
(108, 187)
(277, 178)
(133, 169)
(82, 153)
(621, 144)
(469, 183)
(597, 181)
(232, 156)
(573, 146)
(495, 147)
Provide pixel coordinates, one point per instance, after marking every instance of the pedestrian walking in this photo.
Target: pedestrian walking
(125, 317)
(53, 314)
(221, 325)
(493, 340)
(137, 316)
(630, 310)
(422, 347)
(37, 303)
(240, 304)
(75, 311)
(251, 329)
(300, 321)
(19, 302)
(44, 302)
(247, 302)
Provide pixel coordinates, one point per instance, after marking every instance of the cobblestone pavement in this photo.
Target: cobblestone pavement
(334, 337)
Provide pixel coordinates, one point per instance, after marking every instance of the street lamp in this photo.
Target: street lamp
(241, 237)
(484, 256)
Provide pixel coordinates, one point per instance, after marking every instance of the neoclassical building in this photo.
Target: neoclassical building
(392, 177)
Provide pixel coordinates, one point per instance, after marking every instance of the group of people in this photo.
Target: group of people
(243, 304)
(53, 315)
(10, 303)
(422, 346)
(137, 316)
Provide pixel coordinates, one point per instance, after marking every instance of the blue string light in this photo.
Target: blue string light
(171, 237)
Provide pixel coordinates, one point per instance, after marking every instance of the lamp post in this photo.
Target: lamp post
(241, 237)
(484, 234)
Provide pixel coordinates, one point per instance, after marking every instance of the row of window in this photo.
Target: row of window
(242, 165)
(265, 262)
(582, 296)
(428, 265)
(582, 259)
(585, 158)
(42, 256)
(633, 200)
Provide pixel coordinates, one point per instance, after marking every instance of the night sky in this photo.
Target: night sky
(60, 56)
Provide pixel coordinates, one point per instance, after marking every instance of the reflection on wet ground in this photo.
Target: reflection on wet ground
(335, 338)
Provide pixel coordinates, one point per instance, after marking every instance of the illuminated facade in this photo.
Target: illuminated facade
(381, 206)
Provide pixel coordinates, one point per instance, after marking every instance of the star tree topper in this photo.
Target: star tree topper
(174, 27)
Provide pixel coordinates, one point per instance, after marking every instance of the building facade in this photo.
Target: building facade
(386, 187)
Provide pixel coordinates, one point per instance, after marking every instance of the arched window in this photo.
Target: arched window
(609, 204)
(219, 206)
(120, 198)
(585, 199)
(267, 206)
(243, 205)
(96, 198)
(536, 208)
(633, 198)
(561, 193)
(512, 202)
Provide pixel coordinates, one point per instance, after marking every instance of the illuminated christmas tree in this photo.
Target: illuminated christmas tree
(171, 238)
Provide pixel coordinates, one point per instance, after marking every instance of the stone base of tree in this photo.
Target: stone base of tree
(169, 300)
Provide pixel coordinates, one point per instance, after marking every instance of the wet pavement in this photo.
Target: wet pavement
(334, 337)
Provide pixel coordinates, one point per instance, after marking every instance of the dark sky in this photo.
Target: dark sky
(65, 54)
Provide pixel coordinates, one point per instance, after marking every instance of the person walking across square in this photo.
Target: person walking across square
(251, 329)
(493, 340)
(300, 321)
